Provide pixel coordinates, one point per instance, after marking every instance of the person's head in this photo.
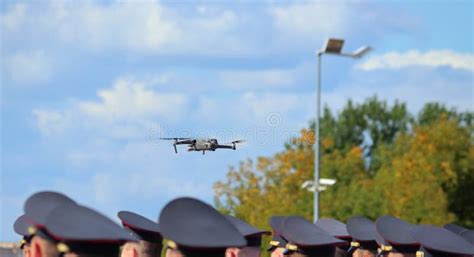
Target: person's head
(141, 248)
(253, 236)
(21, 228)
(278, 242)
(148, 232)
(364, 236)
(307, 240)
(37, 208)
(394, 237)
(193, 228)
(83, 232)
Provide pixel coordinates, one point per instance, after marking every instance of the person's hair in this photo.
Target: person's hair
(152, 249)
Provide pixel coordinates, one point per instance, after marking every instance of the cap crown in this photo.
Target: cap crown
(21, 225)
(456, 229)
(38, 206)
(71, 222)
(333, 227)
(136, 221)
(395, 231)
(192, 223)
(361, 229)
(442, 240)
(244, 228)
(304, 233)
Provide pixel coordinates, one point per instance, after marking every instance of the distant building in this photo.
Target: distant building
(9, 250)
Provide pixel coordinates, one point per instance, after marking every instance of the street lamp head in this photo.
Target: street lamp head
(333, 46)
(359, 53)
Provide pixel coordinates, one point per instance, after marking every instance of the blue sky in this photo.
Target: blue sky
(86, 87)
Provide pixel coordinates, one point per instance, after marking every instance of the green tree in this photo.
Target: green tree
(385, 161)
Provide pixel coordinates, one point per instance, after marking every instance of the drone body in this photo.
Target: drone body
(201, 145)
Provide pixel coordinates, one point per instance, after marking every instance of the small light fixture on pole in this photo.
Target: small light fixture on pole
(332, 46)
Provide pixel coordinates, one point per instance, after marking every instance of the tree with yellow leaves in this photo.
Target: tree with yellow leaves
(385, 161)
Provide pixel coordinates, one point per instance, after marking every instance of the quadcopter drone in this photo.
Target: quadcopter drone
(201, 144)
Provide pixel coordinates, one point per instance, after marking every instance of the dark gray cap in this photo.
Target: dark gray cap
(333, 227)
(193, 224)
(21, 225)
(145, 228)
(361, 229)
(38, 206)
(246, 229)
(441, 242)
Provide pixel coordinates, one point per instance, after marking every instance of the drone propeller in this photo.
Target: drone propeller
(236, 142)
(175, 141)
(174, 138)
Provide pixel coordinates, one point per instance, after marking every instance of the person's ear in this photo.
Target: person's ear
(36, 250)
(134, 252)
(230, 252)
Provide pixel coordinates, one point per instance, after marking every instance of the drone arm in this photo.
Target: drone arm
(226, 146)
(185, 142)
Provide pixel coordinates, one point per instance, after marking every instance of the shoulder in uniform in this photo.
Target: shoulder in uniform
(193, 228)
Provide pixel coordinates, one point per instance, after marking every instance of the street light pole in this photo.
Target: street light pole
(316, 142)
(333, 46)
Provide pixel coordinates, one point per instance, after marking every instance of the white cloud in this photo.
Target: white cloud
(141, 27)
(13, 17)
(28, 67)
(415, 87)
(137, 26)
(50, 122)
(305, 24)
(128, 100)
(432, 58)
(151, 27)
(126, 110)
(310, 18)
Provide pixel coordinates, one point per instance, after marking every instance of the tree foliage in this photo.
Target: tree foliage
(385, 161)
